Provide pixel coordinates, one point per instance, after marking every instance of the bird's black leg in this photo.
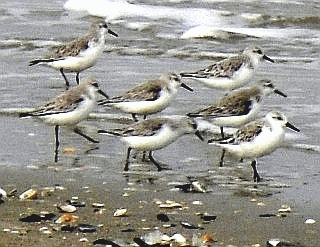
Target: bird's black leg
(77, 78)
(256, 177)
(56, 129)
(144, 117)
(77, 131)
(126, 167)
(222, 157)
(65, 78)
(222, 134)
(154, 162)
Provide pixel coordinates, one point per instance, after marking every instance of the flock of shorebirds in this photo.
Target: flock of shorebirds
(237, 108)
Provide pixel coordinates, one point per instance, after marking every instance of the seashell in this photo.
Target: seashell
(121, 212)
(67, 218)
(285, 209)
(76, 203)
(170, 204)
(30, 194)
(310, 221)
(207, 238)
(83, 240)
(97, 205)
(65, 207)
(179, 239)
(86, 228)
(188, 225)
(3, 193)
(278, 242)
(197, 187)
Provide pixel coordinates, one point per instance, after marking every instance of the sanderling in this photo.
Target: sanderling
(230, 73)
(147, 98)
(79, 54)
(238, 107)
(153, 134)
(69, 108)
(256, 139)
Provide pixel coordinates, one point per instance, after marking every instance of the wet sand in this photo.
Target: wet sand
(247, 214)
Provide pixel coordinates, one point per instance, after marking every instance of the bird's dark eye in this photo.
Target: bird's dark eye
(259, 52)
(279, 118)
(194, 126)
(95, 84)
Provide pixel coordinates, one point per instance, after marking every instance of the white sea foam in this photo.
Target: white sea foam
(208, 32)
(119, 9)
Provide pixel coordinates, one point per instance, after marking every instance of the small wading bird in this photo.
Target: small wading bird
(69, 108)
(149, 97)
(153, 134)
(230, 73)
(256, 139)
(79, 54)
(237, 107)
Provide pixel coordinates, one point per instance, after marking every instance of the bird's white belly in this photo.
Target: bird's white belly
(236, 121)
(239, 79)
(263, 144)
(148, 143)
(72, 117)
(145, 107)
(78, 63)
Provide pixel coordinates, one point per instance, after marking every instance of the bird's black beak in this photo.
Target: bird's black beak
(265, 57)
(280, 93)
(290, 126)
(197, 133)
(112, 33)
(103, 93)
(186, 87)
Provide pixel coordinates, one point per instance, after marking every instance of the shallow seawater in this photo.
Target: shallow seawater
(151, 43)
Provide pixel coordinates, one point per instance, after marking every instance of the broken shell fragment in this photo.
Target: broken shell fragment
(188, 225)
(121, 212)
(86, 228)
(66, 207)
(30, 194)
(310, 221)
(97, 205)
(179, 239)
(170, 204)
(3, 193)
(67, 218)
(277, 242)
(284, 209)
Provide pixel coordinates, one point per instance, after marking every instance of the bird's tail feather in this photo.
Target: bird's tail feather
(37, 61)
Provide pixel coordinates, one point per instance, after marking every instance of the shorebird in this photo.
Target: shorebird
(149, 97)
(230, 73)
(256, 139)
(237, 107)
(153, 134)
(69, 108)
(79, 54)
